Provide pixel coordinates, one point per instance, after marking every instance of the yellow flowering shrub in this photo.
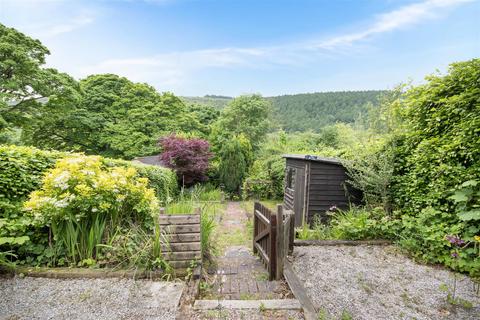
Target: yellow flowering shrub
(81, 187)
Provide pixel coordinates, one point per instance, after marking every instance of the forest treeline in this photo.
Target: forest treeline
(310, 111)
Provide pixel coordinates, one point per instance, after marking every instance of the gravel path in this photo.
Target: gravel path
(376, 282)
(43, 298)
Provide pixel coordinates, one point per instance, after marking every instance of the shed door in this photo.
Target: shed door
(295, 183)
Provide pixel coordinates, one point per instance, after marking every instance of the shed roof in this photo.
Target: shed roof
(313, 158)
(152, 160)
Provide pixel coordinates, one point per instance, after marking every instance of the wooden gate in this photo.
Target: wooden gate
(273, 235)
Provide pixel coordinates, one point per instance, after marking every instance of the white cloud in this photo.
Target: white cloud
(65, 27)
(401, 18)
(46, 18)
(172, 69)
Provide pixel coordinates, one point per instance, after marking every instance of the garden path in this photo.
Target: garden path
(240, 274)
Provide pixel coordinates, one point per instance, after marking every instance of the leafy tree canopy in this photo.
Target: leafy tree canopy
(246, 115)
(24, 81)
(188, 157)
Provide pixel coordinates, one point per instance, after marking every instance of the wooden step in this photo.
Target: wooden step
(185, 228)
(183, 237)
(274, 304)
(183, 255)
(178, 219)
(186, 246)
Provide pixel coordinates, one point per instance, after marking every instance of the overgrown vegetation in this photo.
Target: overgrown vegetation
(423, 172)
(413, 151)
(67, 209)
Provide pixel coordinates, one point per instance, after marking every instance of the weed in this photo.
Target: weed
(346, 315)
(85, 295)
(262, 307)
(262, 276)
(247, 296)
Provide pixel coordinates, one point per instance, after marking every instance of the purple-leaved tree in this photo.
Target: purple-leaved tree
(188, 157)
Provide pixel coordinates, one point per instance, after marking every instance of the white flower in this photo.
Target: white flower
(61, 181)
(94, 209)
(61, 203)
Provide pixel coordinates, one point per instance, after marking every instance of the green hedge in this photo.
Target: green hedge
(162, 180)
(437, 166)
(22, 169)
(21, 172)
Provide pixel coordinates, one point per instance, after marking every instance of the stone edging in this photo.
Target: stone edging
(302, 243)
(78, 273)
(274, 304)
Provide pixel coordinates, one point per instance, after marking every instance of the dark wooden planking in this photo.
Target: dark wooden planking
(320, 188)
(180, 264)
(329, 203)
(296, 163)
(187, 246)
(186, 228)
(184, 237)
(315, 198)
(337, 183)
(178, 219)
(328, 192)
(183, 255)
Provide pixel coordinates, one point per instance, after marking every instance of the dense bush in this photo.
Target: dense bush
(437, 156)
(81, 200)
(189, 157)
(354, 224)
(265, 179)
(233, 165)
(162, 180)
(22, 171)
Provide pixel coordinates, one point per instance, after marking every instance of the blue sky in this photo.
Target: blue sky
(272, 47)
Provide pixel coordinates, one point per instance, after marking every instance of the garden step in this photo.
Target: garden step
(178, 219)
(275, 304)
(187, 246)
(184, 255)
(184, 237)
(183, 228)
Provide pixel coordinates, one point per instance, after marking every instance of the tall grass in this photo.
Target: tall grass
(80, 239)
(207, 226)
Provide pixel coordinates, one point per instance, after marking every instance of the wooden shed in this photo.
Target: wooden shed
(313, 185)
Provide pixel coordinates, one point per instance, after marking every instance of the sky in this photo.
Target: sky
(271, 47)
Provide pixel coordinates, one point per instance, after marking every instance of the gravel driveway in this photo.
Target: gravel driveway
(115, 298)
(377, 282)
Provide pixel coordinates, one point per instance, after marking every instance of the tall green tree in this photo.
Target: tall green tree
(247, 115)
(24, 83)
(233, 165)
(113, 117)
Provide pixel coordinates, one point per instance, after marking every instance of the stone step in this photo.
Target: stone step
(275, 304)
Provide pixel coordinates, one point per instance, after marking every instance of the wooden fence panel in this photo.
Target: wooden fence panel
(183, 235)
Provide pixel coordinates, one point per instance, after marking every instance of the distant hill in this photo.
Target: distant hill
(218, 102)
(309, 111)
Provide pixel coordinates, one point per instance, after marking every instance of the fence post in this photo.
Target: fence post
(291, 236)
(280, 243)
(255, 227)
(273, 246)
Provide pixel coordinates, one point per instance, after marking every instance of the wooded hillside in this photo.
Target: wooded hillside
(309, 111)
